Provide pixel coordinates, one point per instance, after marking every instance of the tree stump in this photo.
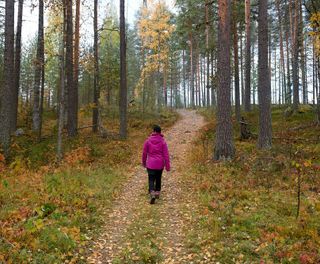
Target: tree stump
(244, 130)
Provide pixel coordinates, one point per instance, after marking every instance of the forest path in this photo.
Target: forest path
(132, 215)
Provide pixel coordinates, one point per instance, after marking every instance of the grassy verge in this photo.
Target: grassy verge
(144, 243)
(49, 214)
(249, 206)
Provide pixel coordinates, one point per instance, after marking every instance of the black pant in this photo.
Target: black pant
(154, 180)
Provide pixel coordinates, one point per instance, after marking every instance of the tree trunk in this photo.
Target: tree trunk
(265, 130)
(288, 92)
(17, 67)
(247, 101)
(318, 92)
(314, 75)
(236, 61)
(208, 53)
(72, 121)
(198, 79)
(253, 67)
(7, 93)
(165, 92)
(224, 148)
(275, 97)
(123, 73)
(171, 88)
(282, 68)
(191, 71)
(303, 57)
(213, 95)
(37, 74)
(241, 69)
(303, 73)
(76, 52)
(96, 87)
(41, 96)
(145, 3)
(203, 83)
(184, 79)
(295, 57)
(61, 99)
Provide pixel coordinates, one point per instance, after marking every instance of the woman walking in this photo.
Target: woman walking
(155, 158)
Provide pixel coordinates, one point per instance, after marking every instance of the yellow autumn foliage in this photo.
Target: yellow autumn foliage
(154, 30)
(315, 25)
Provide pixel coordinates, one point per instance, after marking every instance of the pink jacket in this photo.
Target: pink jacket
(155, 153)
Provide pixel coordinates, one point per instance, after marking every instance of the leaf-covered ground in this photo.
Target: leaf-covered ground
(249, 205)
(94, 208)
(49, 213)
(137, 232)
(243, 211)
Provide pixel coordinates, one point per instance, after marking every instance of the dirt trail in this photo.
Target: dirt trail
(173, 199)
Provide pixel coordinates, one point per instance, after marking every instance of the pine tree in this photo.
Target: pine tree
(72, 106)
(38, 72)
(7, 93)
(247, 101)
(224, 148)
(236, 60)
(96, 88)
(17, 66)
(123, 73)
(264, 92)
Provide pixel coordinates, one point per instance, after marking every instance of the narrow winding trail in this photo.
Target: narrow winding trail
(172, 209)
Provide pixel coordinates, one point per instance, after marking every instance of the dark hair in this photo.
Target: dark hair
(156, 129)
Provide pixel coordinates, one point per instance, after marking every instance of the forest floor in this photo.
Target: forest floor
(136, 231)
(94, 206)
(50, 212)
(249, 205)
(242, 211)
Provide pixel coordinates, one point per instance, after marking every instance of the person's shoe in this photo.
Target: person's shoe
(153, 199)
(157, 195)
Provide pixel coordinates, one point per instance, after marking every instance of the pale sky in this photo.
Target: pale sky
(30, 15)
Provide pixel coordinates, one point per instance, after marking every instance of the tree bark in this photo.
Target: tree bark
(265, 131)
(7, 93)
(318, 90)
(241, 69)
(176, 83)
(314, 75)
(295, 57)
(203, 83)
(236, 61)
(61, 99)
(213, 95)
(184, 79)
(198, 79)
(72, 122)
(76, 50)
(288, 91)
(96, 86)
(165, 92)
(191, 71)
(224, 147)
(253, 67)
(123, 73)
(41, 96)
(303, 56)
(37, 74)
(17, 67)
(247, 102)
(208, 53)
(282, 68)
